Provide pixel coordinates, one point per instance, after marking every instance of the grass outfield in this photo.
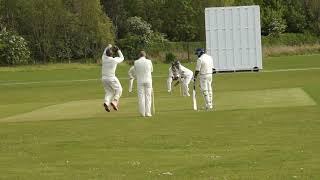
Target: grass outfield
(266, 126)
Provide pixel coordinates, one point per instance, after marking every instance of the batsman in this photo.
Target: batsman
(205, 69)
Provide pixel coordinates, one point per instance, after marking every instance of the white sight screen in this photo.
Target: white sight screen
(233, 37)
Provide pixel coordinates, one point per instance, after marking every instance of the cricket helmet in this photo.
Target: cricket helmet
(199, 52)
(176, 64)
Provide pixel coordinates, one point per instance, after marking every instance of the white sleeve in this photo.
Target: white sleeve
(170, 73)
(151, 66)
(120, 58)
(198, 66)
(105, 50)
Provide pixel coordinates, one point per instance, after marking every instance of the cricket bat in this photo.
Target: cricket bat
(194, 99)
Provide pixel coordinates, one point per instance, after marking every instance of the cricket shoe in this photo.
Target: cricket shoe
(114, 104)
(106, 107)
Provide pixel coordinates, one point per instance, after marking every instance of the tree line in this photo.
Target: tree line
(58, 29)
(77, 29)
(183, 20)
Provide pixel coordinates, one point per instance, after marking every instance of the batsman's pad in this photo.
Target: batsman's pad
(194, 98)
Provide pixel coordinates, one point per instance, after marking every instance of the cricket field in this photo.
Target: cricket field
(266, 125)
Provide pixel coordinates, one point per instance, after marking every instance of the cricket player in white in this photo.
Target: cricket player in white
(132, 77)
(143, 68)
(173, 76)
(205, 68)
(185, 76)
(110, 82)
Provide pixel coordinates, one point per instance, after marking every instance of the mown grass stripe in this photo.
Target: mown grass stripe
(123, 78)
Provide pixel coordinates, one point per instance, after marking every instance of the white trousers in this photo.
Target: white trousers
(169, 83)
(112, 88)
(185, 85)
(206, 89)
(131, 84)
(145, 98)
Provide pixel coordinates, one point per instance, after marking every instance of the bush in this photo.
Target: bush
(60, 29)
(283, 50)
(184, 51)
(13, 49)
(290, 39)
(273, 22)
(131, 46)
(170, 57)
(139, 37)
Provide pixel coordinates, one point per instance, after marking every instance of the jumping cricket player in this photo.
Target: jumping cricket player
(111, 83)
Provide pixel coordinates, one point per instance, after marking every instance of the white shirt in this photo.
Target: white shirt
(109, 64)
(184, 72)
(205, 64)
(132, 73)
(143, 68)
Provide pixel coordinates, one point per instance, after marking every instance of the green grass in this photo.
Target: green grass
(266, 126)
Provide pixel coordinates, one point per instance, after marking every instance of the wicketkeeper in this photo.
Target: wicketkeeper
(205, 68)
(173, 76)
(111, 83)
(184, 77)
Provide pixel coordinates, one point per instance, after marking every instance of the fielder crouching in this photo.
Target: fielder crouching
(143, 69)
(205, 68)
(185, 75)
(111, 83)
(173, 76)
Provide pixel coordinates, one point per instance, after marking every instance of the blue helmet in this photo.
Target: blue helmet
(199, 52)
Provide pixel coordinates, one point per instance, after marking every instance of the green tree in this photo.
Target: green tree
(272, 19)
(313, 15)
(139, 36)
(94, 29)
(60, 29)
(136, 8)
(181, 20)
(13, 49)
(295, 16)
(154, 10)
(115, 9)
